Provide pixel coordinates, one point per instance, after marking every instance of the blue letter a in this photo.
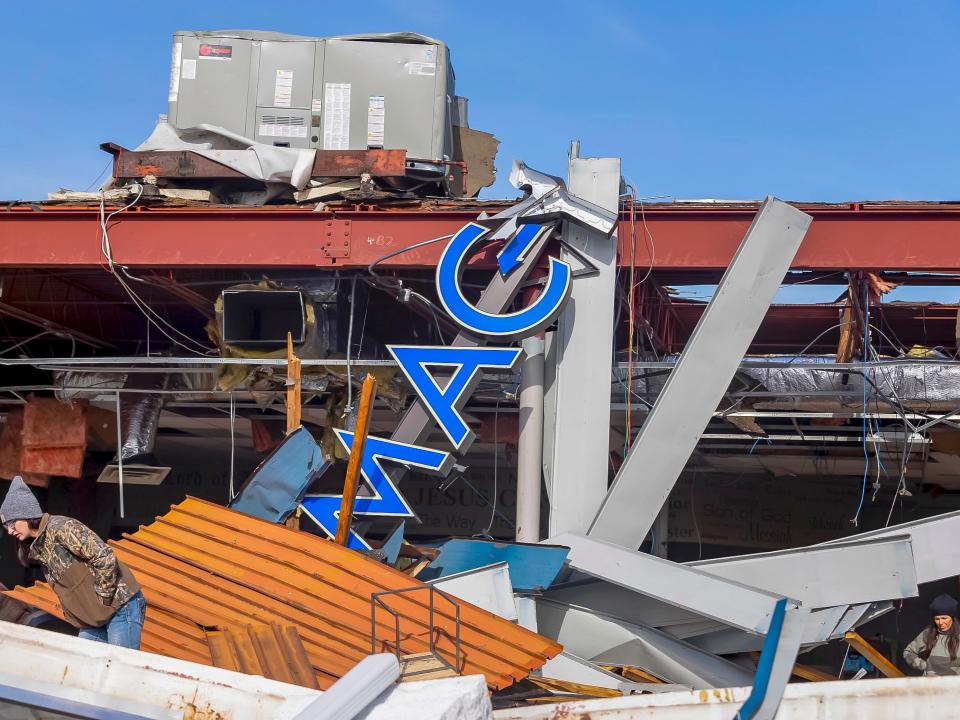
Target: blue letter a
(446, 403)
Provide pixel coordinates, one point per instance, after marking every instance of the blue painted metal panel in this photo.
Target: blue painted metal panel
(277, 486)
(532, 567)
(391, 546)
(761, 681)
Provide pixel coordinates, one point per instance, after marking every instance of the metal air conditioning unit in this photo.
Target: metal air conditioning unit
(358, 92)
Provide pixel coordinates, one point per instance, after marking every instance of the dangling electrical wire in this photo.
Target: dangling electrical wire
(866, 455)
(139, 303)
(353, 291)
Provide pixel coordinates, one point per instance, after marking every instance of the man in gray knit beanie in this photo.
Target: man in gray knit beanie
(20, 503)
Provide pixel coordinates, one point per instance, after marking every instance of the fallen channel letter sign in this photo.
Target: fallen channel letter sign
(466, 364)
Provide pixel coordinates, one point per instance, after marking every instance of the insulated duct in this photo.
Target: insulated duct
(140, 416)
(138, 419)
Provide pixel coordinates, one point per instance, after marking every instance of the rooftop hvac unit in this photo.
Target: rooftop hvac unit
(393, 91)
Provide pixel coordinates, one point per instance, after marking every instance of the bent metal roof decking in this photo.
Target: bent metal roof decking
(202, 565)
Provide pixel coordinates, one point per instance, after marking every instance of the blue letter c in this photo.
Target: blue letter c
(509, 326)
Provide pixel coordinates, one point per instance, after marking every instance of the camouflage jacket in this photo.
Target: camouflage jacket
(63, 541)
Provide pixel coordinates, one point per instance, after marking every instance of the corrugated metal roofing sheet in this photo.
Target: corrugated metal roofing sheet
(202, 565)
(269, 650)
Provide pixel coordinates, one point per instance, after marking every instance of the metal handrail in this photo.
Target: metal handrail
(376, 599)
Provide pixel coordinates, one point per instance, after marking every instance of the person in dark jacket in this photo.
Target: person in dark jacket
(98, 593)
(934, 651)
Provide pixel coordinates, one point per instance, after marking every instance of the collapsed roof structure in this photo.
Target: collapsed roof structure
(664, 487)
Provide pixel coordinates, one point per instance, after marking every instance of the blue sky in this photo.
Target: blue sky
(808, 101)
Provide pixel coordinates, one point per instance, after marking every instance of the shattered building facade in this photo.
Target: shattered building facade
(667, 479)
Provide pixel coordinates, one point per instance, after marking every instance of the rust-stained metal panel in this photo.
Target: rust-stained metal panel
(166, 164)
(269, 650)
(11, 451)
(353, 163)
(54, 437)
(188, 165)
(202, 565)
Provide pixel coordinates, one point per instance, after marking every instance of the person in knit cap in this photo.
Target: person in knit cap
(934, 651)
(98, 593)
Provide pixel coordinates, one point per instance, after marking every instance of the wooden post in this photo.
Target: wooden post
(350, 483)
(880, 662)
(293, 387)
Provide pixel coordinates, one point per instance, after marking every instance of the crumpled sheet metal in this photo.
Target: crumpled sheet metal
(54, 437)
(11, 451)
(279, 168)
(278, 484)
(203, 565)
(915, 383)
(140, 413)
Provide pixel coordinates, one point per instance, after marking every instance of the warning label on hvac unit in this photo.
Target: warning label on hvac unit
(215, 52)
(375, 119)
(188, 70)
(283, 89)
(336, 116)
(422, 68)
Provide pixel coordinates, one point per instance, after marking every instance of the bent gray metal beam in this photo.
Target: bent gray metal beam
(727, 601)
(701, 376)
(936, 551)
(819, 626)
(603, 639)
(572, 668)
(846, 573)
(579, 355)
(620, 602)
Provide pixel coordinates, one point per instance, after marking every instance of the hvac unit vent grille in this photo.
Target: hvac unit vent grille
(283, 120)
(134, 474)
(283, 126)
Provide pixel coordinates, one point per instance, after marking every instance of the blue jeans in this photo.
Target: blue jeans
(124, 627)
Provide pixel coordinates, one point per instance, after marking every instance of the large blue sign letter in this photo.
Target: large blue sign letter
(386, 500)
(446, 403)
(511, 326)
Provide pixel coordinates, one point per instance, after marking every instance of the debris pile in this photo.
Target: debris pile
(204, 566)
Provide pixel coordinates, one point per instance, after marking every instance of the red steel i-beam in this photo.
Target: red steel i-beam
(911, 237)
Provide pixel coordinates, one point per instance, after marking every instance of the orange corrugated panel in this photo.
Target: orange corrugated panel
(269, 650)
(163, 633)
(202, 565)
